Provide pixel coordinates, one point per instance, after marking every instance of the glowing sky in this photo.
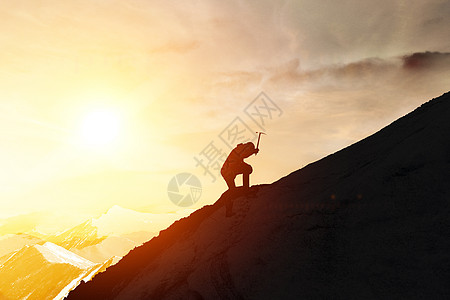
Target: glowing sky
(177, 73)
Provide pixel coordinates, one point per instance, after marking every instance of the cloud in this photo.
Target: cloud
(373, 91)
(426, 60)
(339, 76)
(367, 71)
(175, 46)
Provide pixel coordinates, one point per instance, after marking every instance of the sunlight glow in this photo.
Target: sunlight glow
(100, 128)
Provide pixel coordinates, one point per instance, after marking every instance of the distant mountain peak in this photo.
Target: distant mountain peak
(56, 254)
(78, 237)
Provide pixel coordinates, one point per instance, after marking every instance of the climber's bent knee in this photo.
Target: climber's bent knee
(247, 169)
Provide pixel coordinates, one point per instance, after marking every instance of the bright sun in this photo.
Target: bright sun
(100, 128)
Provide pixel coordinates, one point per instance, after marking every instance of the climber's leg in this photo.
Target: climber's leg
(247, 170)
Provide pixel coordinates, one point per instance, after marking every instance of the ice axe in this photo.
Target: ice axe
(259, 137)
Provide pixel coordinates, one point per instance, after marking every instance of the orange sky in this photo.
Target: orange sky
(176, 74)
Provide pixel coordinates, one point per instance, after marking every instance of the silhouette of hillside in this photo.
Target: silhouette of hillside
(369, 221)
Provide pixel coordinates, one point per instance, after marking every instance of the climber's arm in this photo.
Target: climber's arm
(249, 152)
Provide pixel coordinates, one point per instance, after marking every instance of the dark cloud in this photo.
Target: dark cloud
(369, 71)
(365, 69)
(426, 60)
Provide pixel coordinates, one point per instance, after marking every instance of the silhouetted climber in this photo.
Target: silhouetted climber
(235, 165)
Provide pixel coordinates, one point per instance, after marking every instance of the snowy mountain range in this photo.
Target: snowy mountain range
(51, 272)
(369, 221)
(78, 237)
(41, 266)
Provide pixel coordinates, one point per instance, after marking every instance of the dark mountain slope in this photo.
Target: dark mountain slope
(370, 221)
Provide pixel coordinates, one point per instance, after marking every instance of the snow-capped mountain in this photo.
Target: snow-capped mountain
(74, 254)
(120, 221)
(115, 233)
(78, 237)
(112, 246)
(13, 242)
(45, 271)
(370, 221)
(58, 255)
